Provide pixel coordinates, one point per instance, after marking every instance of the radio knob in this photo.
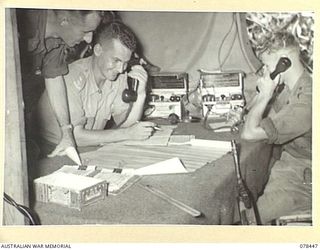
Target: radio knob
(178, 98)
(172, 98)
(205, 98)
(223, 97)
(161, 98)
(208, 98)
(239, 96)
(154, 97)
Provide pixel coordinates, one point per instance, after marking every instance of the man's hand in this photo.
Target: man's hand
(235, 115)
(139, 73)
(140, 131)
(67, 140)
(265, 85)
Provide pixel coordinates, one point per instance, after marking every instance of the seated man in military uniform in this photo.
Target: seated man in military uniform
(289, 124)
(95, 87)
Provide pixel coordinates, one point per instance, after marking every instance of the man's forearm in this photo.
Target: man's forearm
(252, 102)
(86, 137)
(251, 129)
(58, 99)
(136, 111)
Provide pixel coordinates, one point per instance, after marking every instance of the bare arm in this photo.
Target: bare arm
(131, 129)
(136, 112)
(252, 102)
(252, 130)
(138, 131)
(58, 99)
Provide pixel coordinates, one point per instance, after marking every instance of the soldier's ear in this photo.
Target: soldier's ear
(97, 49)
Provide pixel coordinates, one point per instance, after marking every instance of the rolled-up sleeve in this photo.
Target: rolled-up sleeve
(293, 120)
(54, 62)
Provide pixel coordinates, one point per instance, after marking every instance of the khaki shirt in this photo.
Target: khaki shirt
(47, 56)
(291, 125)
(90, 106)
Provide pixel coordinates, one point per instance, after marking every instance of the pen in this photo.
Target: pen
(157, 128)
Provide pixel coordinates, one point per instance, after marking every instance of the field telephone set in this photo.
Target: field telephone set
(283, 64)
(130, 95)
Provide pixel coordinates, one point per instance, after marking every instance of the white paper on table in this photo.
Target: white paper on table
(74, 169)
(211, 144)
(180, 139)
(159, 138)
(171, 166)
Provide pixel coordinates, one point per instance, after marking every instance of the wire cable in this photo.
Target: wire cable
(27, 212)
(205, 120)
(234, 128)
(222, 42)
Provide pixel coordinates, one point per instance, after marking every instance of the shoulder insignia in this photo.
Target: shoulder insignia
(80, 80)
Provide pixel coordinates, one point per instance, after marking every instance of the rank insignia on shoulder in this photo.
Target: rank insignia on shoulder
(79, 81)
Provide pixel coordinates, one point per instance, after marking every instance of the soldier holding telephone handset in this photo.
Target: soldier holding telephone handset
(283, 116)
(99, 87)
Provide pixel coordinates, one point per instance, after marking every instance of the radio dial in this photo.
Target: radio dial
(236, 97)
(172, 98)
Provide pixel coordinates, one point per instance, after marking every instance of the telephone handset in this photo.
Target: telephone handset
(283, 64)
(130, 95)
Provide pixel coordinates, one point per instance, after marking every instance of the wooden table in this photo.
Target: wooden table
(210, 189)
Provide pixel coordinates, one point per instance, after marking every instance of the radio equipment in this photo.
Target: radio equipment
(166, 90)
(222, 99)
(221, 92)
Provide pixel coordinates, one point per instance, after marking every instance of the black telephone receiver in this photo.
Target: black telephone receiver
(130, 94)
(283, 64)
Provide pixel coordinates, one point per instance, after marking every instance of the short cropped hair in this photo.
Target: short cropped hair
(116, 30)
(279, 40)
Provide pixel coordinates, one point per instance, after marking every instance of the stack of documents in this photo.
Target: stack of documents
(193, 154)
